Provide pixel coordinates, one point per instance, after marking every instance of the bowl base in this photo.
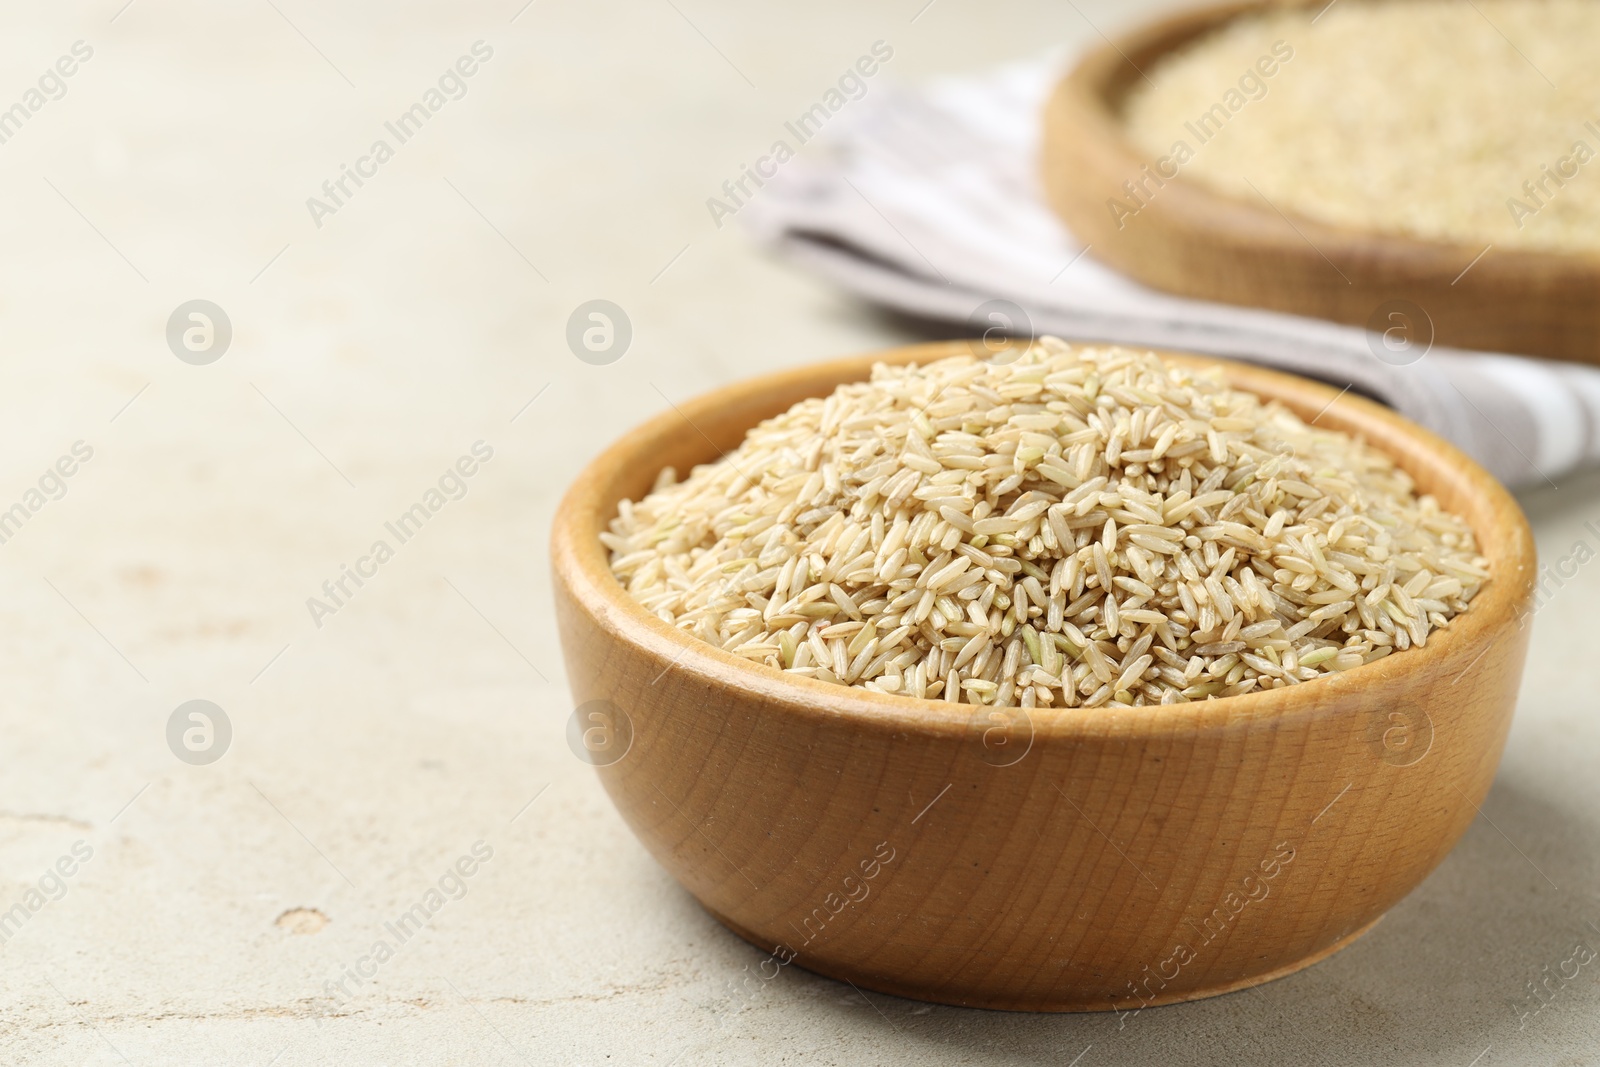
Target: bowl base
(879, 984)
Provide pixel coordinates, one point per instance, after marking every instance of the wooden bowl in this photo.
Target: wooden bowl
(1073, 860)
(1193, 240)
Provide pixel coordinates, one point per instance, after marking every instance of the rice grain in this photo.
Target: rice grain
(1000, 535)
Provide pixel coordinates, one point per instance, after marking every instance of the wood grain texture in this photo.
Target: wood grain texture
(1071, 860)
(1195, 241)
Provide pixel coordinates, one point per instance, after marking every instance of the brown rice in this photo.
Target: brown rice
(1084, 526)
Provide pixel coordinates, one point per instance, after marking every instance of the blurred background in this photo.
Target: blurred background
(359, 753)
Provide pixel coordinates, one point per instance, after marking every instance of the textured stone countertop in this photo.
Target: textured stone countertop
(208, 908)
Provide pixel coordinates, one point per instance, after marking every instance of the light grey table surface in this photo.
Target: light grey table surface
(370, 752)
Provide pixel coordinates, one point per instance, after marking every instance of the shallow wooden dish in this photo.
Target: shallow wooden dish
(1074, 861)
(1192, 240)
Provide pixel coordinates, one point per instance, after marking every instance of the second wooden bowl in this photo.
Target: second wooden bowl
(1076, 860)
(1190, 239)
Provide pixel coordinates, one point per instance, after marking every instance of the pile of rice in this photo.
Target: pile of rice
(1467, 122)
(1081, 527)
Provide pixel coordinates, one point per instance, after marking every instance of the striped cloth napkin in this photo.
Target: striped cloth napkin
(927, 201)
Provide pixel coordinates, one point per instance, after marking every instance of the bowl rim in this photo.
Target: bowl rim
(580, 564)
